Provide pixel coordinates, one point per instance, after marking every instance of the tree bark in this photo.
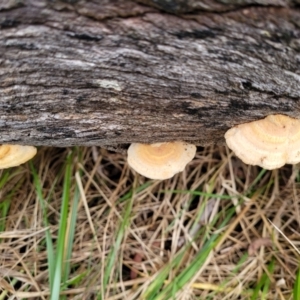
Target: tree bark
(183, 6)
(110, 73)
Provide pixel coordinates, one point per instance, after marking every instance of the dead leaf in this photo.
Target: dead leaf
(256, 244)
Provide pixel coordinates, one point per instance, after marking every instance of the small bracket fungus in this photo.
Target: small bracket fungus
(269, 143)
(160, 160)
(15, 155)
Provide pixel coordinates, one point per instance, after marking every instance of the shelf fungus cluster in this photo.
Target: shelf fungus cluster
(15, 155)
(269, 143)
(160, 160)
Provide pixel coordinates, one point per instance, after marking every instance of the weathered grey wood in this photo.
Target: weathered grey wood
(114, 72)
(183, 6)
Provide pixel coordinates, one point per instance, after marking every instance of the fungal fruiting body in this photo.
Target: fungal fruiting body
(160, 160)
(269, 143)
(15, 155)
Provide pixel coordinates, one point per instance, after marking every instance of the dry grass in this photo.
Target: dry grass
(140, 239)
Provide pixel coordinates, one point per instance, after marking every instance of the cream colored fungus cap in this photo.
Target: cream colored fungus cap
(269, 143)
(160, 160)
(15, 155)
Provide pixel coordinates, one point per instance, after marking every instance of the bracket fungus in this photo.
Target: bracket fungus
(15, 155)
(269, 143)
(160, 160)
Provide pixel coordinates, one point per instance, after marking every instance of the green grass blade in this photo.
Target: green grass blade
(296, 290)
(198, 193)
(262, 287)
(77, 279)
(169, 291)
(60, 250)
(49, 243)
(187, 274)
(4, 292)
(239, 265)
(70, 234)
(114, 250)
(138, 190)
(158, 282)
(4, 178)
(4, 209)
(6, 201)
(267, 283)
(255, 181)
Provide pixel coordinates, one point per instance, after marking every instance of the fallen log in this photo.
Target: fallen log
(110, 73)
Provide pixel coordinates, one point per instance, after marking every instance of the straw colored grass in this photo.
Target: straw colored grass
(79, 224)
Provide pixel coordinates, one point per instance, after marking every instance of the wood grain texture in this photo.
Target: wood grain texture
(184, 6)
(110, 73)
